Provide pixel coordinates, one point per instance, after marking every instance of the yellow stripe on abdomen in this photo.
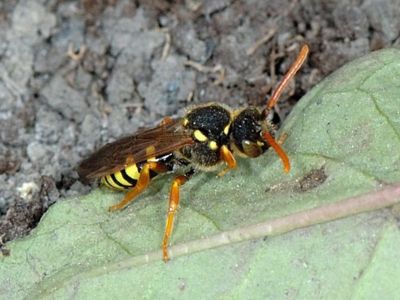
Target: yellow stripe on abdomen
(109, 182)
(132, 171)
(105, 182)
(122, 180)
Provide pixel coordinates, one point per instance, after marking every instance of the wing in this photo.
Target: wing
(137, 148)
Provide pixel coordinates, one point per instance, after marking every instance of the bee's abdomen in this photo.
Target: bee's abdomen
(126, 178)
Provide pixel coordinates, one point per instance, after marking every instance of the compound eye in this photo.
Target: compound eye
(251, 149)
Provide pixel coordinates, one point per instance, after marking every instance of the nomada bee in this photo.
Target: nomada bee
(204, 139)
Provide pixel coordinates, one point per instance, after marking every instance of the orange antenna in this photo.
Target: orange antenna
(289, 75)
(283, 156)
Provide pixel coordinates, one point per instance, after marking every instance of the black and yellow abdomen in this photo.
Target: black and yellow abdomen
(127, 178)
(122, 180)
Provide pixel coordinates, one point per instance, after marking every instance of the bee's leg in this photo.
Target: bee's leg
(172, 207)
(141, 185)
(227, 156)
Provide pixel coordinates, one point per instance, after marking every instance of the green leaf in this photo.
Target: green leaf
(343, 140)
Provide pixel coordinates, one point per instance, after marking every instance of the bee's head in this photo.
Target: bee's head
(247, 130)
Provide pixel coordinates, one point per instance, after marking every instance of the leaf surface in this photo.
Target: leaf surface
(343, 141)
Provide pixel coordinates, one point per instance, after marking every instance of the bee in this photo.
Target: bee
(207, 137)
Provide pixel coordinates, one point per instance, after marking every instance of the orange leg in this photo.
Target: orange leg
(227, 156)
(172, 207)
(141, 185)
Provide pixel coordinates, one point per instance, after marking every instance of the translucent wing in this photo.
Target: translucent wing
(137, 148)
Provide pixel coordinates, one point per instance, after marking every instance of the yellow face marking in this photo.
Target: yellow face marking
(226, 129)
(185, 122)
(261, 144)
(132, 171)
(213, 145)
(198, 135)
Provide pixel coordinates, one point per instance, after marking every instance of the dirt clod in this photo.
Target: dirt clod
(312, 180)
